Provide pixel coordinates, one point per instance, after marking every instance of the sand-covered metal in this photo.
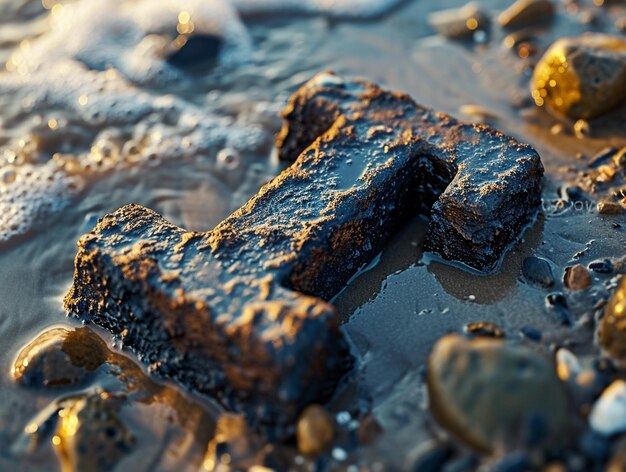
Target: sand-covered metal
(240, 312)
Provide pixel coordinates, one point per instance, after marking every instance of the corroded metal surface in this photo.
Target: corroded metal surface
(239, 312)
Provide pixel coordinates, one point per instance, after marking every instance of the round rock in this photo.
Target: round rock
(581, 77)
(489, 393)
(58, 357)
(608, 415)
(612, 332)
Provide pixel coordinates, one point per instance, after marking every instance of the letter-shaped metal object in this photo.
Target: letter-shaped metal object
(239, 312)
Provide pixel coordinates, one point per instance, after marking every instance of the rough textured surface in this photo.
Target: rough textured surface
(490, 394)
(238, 312)
(581, 77)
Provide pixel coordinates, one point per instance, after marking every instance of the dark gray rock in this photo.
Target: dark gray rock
(239, 312)
(537, 271)
(198, 51)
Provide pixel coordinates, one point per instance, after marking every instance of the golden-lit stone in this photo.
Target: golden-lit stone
(612, 332)
(315, 430)
(233, 444)
(581, 77)
(91, 436)
(59, 357)
(458, 22)
(486, 391)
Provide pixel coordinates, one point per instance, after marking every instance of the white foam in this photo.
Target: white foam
(81, 98)
(334, 8)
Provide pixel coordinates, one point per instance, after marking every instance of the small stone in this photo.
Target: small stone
(91, 434)
(483, 328)
(577, 277)
(608, 415)
(581, 77)
(233, 445)
(594, 445)
(523, 12)
(617, 463)
(537, 271)
(557, 303)
(315, 430)
(610, 208)
(573, 193)
(196, 52)
(459, 22)
(567, 365)
(531, 333)
(369, 429)
(619, 158)
(612, 332)
(485, 392)
(339, 454)
(59, 357)
(604, 266)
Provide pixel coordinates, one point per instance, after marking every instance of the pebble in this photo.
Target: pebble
(481, 390)
(595, 446)
(369, 429)
(610, 208)
(315, 430)
(612, 332)
(91, 434)
(233, 445)
(433, 459)
(59, 357)
(557, 303)
(537, 271)
(459, 22)
(567, 365)
(483, 328)
(577, 278)
(197, 51)
(523, 12)
(617, 463)
(531, 333)
(608, 415)
(604, 266)
(581, 77)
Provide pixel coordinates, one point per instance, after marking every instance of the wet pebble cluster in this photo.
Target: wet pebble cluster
(532, 400)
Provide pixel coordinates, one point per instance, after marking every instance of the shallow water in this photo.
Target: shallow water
(203, 146)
